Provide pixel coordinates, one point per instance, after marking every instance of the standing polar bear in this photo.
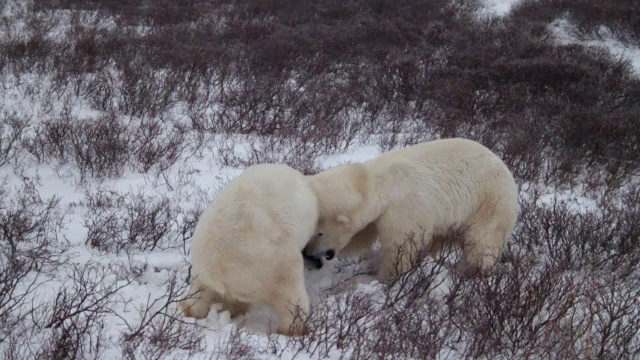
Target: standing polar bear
(422, 190)
(247, 246)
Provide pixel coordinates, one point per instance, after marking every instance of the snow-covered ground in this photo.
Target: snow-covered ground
(499, 7)
(563, 32)
(190, 184)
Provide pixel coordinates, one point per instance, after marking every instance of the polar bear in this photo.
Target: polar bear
(424, 190)
(247, 246)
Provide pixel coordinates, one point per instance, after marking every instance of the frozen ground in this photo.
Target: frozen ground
(563, 32)
(190, 184)
(499, 7)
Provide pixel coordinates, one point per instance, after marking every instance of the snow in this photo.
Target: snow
(205, 177)
(563, 30)
(359, 154)
(499, 7)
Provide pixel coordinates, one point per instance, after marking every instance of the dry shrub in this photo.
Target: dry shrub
(27, 221)
(618, 16)
(108, 145)
(531, 304)
(516, 311)
(599, 238)
(76, 315)
(237, 345)
(158, 144)
(405, 318)
(301, 80)
(612, 320)
(12, 128)
(97, 148)
(296, 151)
(161, 332)
(30, 251)
(343, 71)
(117, 222)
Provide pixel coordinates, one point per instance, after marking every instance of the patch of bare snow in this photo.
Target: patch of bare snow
(498, 7)
(562, 30)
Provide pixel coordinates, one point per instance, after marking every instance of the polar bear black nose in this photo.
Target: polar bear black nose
(330, 254)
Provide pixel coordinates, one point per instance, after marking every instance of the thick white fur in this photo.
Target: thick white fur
(422, 190)
(247, 246)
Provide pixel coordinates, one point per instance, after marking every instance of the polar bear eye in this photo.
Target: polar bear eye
(319, 234)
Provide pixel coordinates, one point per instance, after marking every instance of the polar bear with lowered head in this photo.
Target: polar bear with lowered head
(424, 190)
(247, 246)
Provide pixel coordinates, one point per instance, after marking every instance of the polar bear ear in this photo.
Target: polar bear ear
(342, 219)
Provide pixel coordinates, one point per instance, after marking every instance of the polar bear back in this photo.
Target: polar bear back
(456, 176)
(266, 209)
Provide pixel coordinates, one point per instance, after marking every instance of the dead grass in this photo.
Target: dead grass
(164, 81)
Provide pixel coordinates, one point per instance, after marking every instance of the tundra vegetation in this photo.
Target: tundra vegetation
(96, 95)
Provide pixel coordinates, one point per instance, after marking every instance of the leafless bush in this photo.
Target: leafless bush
(188, 223)
(50, 140)
(117, 222)
(575, 239)
(612, 318)
(620, 17)
(144, 92)
(19, 279)
(28, 221)
(291, 81)
(161, 331)
(100, 147)
(99, 89)
(413, 310)
(27, 54)
(290, 150)
(106, 146)
(527, 306)
(14, 274)
(263, 90)
(75, 318)
(96, 147)
(30, 250)
(493, 91)
(428, 70)
(236, 346)
(154, 145)
(90, 290)
(11, 129)
(516, 311)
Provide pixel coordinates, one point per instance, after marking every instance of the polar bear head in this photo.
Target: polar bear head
(333, 235)
(343, 199)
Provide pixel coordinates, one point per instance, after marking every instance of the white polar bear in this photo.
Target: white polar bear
(247, 246)
(422, 190)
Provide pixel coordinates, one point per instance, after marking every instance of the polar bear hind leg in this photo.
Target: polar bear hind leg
(198, 301)
(236, 308)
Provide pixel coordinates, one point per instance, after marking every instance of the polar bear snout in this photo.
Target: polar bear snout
(314, 260)
(312, 251)
(311, 262)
